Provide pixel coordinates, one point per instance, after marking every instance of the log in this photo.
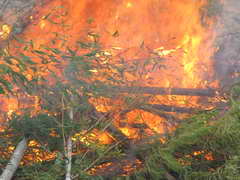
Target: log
(164, 91)
(167, 108)
(171, 120)
(110, 89)
(14, 162)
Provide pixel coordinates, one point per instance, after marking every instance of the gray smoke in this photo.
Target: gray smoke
(227, 58)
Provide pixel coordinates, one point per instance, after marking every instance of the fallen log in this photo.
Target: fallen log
(14, 162)
(111, 89)
(168, 108)
(163, 91)
(171, 120)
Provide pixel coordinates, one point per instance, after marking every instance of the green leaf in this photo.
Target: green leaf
(87, 45)
(53, 58)
(90, 20)
(73, 53)
(19, 40)
(40, 52)
(6, 84)
(1, 90)
(93, 53)
(27, 59)
(5, 69)
(54, 50)
(8, 60)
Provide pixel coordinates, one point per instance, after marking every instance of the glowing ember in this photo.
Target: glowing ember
(123, 167)
(209, 156)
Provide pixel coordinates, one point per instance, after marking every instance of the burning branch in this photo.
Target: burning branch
(167, 108)
(164, 91)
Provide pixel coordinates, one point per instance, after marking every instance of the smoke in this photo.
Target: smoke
(227, 58)
(12, 11)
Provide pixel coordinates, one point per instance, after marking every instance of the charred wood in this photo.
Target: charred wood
(164, 91)
(167, 108)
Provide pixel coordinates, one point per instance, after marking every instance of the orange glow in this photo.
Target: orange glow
(128, 167)
(95, 136)
(173, 28)
(196, 153)
(12, 106)
(171, 31)
(147, 123)
(42, 24)
(129, 5)
(5, 31)
(209, 156)
(37, 154)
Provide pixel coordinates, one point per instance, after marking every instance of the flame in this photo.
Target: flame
(37, 154)
(95, 136)
(5, 31)
(171, 30)
(196, 154)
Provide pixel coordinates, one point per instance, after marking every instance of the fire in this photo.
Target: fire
(129, 5)
(5, 31)
(37, 154)
(172, 30)
(96, 136)
(162, 52)
(42, 24)
(196, 154)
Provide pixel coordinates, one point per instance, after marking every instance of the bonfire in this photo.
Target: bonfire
(119, 89)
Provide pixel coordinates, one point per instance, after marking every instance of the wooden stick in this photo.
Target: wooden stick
(163, 91)
(167, 108)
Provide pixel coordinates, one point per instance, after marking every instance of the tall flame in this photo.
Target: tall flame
(174, 30)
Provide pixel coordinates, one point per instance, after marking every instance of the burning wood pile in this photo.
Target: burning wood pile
(118, 88)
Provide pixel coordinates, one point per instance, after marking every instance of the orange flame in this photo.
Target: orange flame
(172, 30)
